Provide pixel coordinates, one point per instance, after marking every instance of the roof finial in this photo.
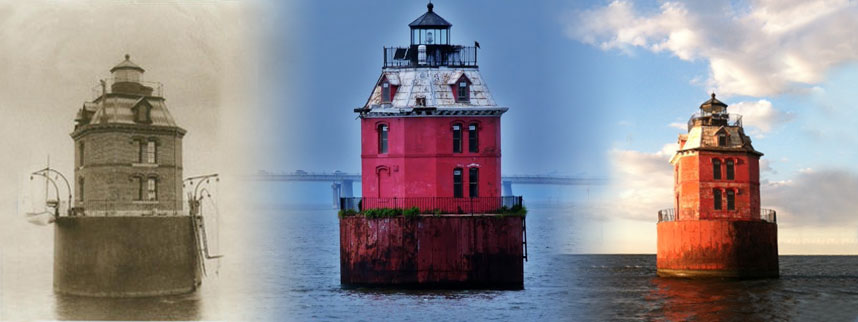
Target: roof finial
(713, 94)
(127, 57)
(430, 6)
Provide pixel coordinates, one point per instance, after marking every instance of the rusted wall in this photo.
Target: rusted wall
(125, 256)
(694, 182)
(718, 248)
(444, 251)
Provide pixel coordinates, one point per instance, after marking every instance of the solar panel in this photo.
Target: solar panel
(400, 53)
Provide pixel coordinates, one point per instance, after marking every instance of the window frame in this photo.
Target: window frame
(716, 198)
(457, 137)
(731, 199)
(722, 140)
(474, 182)
(151, 152)
(731, 169)
(385, 92)
(383, 132)
(151, 189)
(716, 169)
(81, 153)
(473, 138)
(458, 191)
(463, 91)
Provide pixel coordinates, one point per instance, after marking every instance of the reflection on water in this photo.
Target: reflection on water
(817, 288)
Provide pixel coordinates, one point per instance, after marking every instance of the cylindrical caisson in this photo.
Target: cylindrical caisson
(125, 256)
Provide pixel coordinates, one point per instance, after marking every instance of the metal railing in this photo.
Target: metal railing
(122, 208)
(769, 215)
(437, 55)
(98, 90)
(715, 119)
(446, 205)
(669, 214)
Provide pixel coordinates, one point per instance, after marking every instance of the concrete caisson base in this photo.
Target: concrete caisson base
(125, 256)
(447, 251)
(718, 248)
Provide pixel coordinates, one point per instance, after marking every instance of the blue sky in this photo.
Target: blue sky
(601, 89)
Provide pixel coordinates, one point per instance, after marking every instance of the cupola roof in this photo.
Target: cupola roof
(430, 20)
(127, 64)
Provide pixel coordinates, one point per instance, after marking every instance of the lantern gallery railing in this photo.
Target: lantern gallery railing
(706, 118)
(435, 56)
(669, 214)
(427, 205)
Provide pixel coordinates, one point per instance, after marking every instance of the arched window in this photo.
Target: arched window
(474, 182)
(716, 197)
(731, 200)
(151, 152)
(730, 170)
(382, 138)
(716, 169)
(463, 92)
(457, 183)
(473, 138)
(141, 187)
(80, 183)
(457, 138)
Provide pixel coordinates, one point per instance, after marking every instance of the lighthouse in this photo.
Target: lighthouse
(716, 227)
(126, 235)
(431, 148)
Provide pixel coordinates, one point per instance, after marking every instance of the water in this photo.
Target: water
(283, 264)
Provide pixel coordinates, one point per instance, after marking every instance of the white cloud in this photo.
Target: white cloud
(771, 47)
(819, 198)
(677, 125)
(760, 116)
(641, 183)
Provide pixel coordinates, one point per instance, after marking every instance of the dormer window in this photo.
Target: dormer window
(385, 92)
(722, 139)
(421, 102)
(142, 112)
(463, 92)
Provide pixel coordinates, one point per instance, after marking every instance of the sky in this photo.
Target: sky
(602, 89)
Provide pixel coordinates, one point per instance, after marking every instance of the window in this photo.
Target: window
(731, 200)
(152, 189)
(382, 138)
(722, 140)
(421, 101)
(150, 152)
(140, 188)
(80, 153)
(473, 182)
(473, 139)
(716, 169)
(716, 196)
(463, 92)
(457, 183)
(141, 114)
(80, 183)
(385, 92)
(730, 170)
(457, 138)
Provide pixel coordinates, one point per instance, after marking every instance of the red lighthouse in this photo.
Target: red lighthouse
(430, 151)
(717, 227)
(430, 127)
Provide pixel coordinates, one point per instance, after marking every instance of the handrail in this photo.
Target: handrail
(730, 119)
(447, 205)
(670, 214)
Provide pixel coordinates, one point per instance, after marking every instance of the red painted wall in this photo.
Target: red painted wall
(452, 251)
(420, 158)
(718, 248)
(694, 184)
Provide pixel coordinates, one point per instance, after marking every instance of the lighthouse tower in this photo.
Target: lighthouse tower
(430, 127)
(430, 144)
(717, 227)
(126, 235)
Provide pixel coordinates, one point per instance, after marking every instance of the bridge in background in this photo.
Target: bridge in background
(342, 182)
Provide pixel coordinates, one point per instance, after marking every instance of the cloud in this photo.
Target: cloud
(641, 183)
(760, 116)
(819, 198)
(768, 48)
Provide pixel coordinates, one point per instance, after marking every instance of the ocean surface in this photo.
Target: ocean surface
(290, 271)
